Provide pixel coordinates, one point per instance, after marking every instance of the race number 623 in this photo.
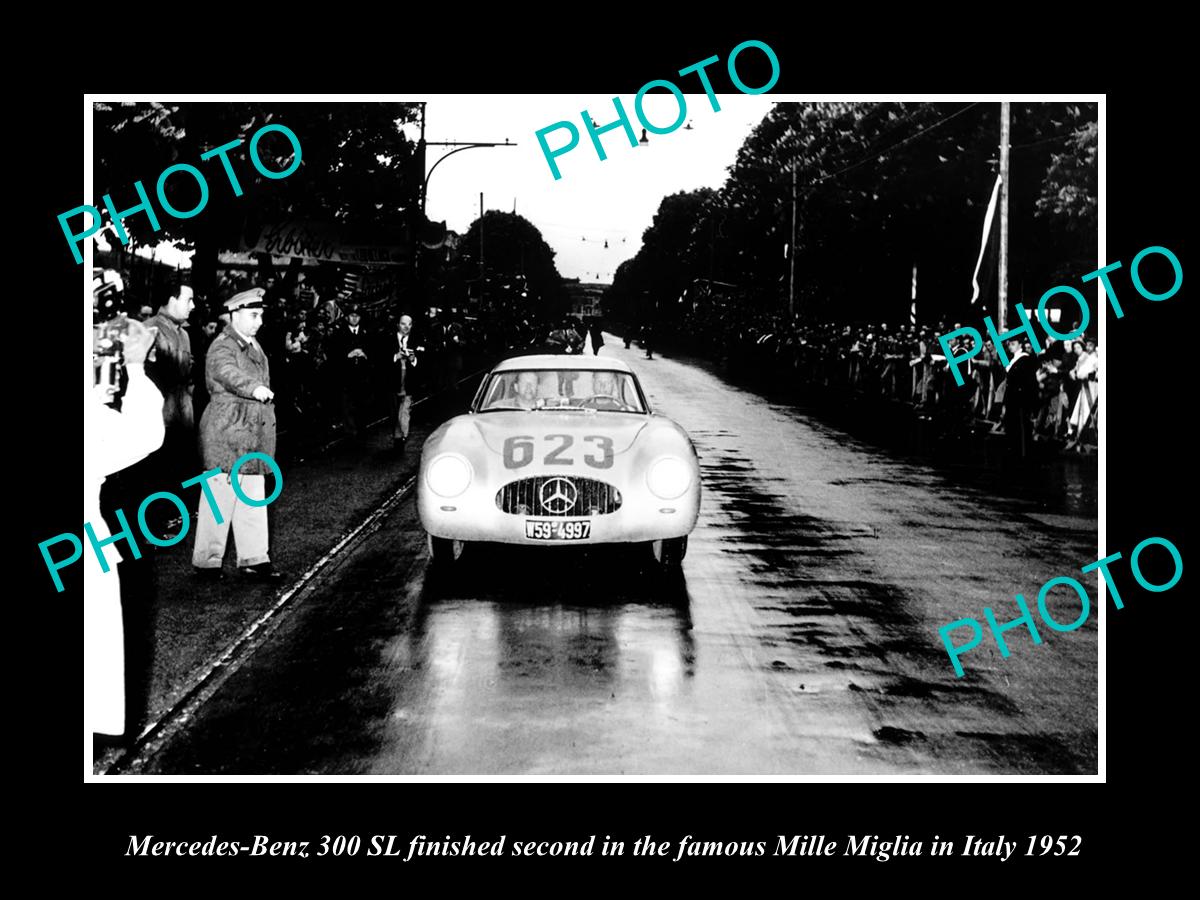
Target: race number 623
(519, 451)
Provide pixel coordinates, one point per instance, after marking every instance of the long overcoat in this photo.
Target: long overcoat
(171, 370)
(234, 423)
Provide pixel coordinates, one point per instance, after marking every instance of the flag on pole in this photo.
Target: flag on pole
(350, 282)
(912, 310)
(984, 241)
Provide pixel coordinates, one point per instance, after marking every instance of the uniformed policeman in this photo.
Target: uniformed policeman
(239, 419)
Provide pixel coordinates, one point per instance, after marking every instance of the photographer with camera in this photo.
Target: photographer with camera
(114, 441)
(403, 377)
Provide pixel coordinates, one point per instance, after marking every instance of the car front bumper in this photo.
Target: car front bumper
(474, 516)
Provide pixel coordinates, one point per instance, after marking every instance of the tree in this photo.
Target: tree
(514, 252)
(668, 246)
(881, 187)
(356, 170)
(1069, 187)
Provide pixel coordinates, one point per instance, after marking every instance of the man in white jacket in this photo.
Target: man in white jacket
(113, 441)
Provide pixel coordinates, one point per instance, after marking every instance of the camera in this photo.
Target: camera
(109, 329)
(107, 358)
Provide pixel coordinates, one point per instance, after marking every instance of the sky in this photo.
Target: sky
(614, 199)
(594, 200)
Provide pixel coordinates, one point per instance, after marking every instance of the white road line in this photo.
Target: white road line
(203, 686)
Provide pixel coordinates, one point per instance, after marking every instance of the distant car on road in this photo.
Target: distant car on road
(556, 451)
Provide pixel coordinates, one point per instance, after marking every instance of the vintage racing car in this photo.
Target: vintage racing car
(559, 451)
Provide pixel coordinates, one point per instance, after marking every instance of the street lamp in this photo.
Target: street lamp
(461, 146)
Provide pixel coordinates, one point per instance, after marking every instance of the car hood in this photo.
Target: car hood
(621, 428)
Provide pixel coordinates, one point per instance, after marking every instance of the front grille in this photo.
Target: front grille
(524, 497)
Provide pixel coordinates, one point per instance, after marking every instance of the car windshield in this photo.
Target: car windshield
(602, 390)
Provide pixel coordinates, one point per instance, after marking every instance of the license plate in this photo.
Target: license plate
(557, 530)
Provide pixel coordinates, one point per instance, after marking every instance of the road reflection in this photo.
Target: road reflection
(523, 653)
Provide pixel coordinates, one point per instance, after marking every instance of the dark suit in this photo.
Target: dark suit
(171, 371)
(597, 335)
(353, 373)
(405, 375)
(1020, 403)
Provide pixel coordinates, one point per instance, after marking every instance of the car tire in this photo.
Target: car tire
(445, 551)
(668, 554)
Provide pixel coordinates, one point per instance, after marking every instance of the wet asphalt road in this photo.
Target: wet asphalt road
(802, 638)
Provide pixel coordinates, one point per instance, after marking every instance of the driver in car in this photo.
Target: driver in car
(527, 390)
(604, 384)
(604, 392)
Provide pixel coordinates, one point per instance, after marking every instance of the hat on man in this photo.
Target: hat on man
(251, 299)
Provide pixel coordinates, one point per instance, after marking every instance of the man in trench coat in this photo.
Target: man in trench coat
(170, 368)
(239, 419)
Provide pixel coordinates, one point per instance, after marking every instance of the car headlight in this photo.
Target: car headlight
(668, 477)
(448, 475)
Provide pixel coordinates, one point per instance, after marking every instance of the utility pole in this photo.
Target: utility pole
(413, 226)
(792, 252)
(421, 158)
(1002, 312)
(481, 249)
(459, 147)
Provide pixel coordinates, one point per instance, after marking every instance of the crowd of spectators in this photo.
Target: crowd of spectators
(332, 372)
(902, 364)
(303, 333)
(311, 377)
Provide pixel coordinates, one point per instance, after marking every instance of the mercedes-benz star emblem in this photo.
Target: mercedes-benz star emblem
(558, 495)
